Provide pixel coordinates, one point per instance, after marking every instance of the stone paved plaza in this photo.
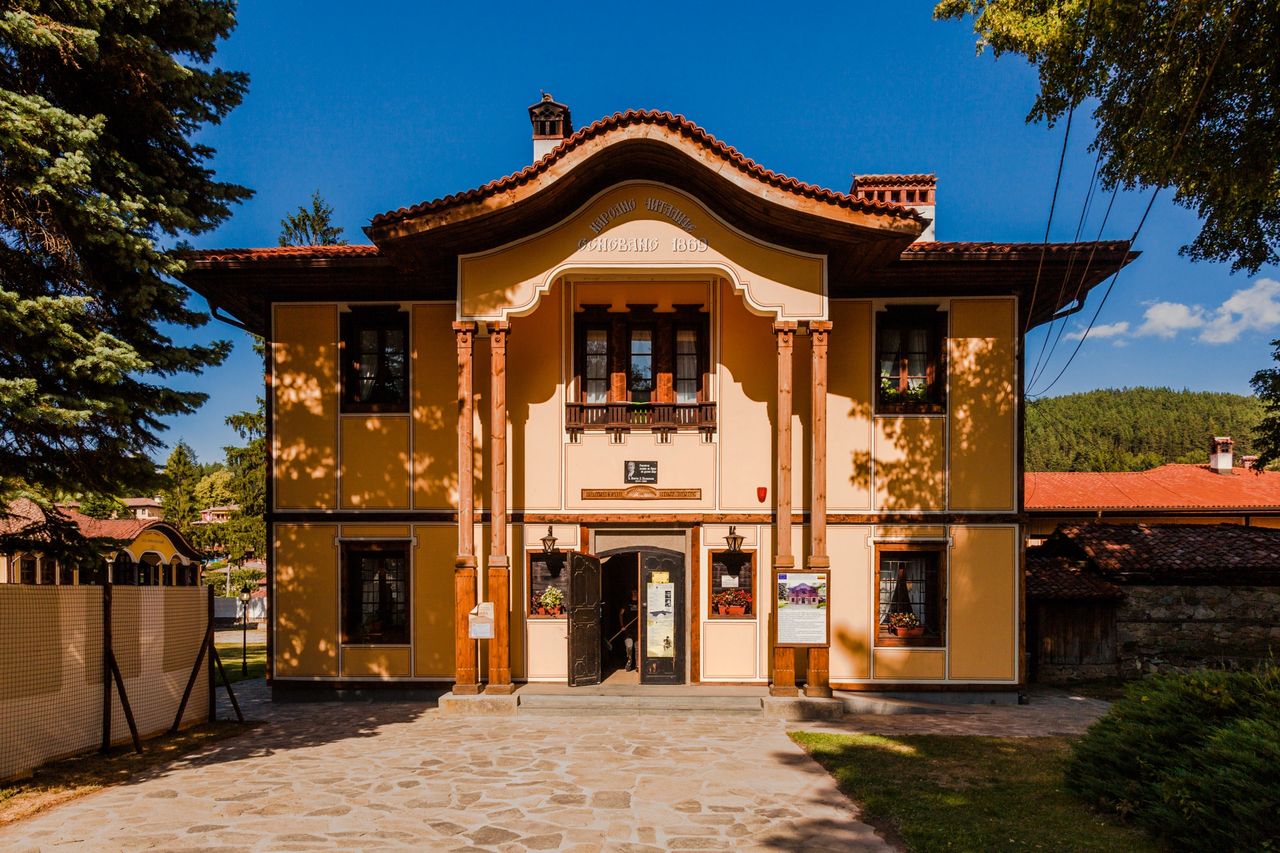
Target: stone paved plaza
(364, 776)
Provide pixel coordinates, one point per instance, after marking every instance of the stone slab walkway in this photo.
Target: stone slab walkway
(358, 776)
(1050, 712)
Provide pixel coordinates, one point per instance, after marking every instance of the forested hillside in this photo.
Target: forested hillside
(1132, 429)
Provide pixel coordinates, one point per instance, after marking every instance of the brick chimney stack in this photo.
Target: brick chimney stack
(1220, 454)
(915, 191)
(551, 125)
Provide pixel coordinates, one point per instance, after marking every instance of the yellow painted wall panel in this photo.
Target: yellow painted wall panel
(729, 649)
(983, 629)
(748, 389)
(982, 372)
(914, 664)
(435, 414)
(850, 602)
(548, 649)
(305, 405)
(909, 463)
(535, 402)
(433, 600)
(306, 600)
(849, 407)
(375, 462)
(375, 661)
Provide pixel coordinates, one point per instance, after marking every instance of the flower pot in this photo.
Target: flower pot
(917, 631)
(542, 611)
(736, 610)
(722, 609)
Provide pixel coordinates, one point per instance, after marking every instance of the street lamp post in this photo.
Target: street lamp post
(244, 632)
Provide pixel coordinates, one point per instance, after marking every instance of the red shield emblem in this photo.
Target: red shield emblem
(762, 492)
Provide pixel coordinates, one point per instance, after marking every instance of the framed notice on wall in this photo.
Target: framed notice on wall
(800, 606)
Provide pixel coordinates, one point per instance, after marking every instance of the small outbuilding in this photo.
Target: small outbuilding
(1131, 599)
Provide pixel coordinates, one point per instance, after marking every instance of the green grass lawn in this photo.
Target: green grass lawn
(946, 792)
(230, 654)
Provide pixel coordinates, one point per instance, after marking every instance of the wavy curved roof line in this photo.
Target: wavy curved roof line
(674, 122)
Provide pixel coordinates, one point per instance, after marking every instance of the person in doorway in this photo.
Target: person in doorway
(628, 617)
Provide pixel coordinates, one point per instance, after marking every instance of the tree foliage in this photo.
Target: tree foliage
(1187, 96)
(181, 476)
(245, 534)
(311, 226)
(1266, 384)
(214, 489)
(98, 104)
(1133, 429)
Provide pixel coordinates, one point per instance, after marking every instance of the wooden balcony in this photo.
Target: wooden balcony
(624, 417)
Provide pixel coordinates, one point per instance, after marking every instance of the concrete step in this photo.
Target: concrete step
(564, 705)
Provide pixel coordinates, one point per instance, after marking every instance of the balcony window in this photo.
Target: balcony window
(642, 370)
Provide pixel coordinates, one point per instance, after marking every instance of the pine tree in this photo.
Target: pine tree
(312, 227)
(98, 104)
(182, 476)
(246, 533)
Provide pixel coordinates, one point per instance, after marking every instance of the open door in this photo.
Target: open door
(584, 620)
(661, 617)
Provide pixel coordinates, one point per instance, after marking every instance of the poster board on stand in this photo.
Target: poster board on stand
(802, 617)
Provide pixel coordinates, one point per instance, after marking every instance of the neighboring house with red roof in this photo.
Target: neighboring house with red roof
(1220, 492)
(135, 551)
(1108, 599)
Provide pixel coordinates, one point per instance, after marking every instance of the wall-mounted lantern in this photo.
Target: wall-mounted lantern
(549, 542)
(734, 540)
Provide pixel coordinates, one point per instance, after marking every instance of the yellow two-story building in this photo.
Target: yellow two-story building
(646, 403)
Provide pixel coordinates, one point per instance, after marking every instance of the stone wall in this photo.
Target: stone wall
(1163, 628)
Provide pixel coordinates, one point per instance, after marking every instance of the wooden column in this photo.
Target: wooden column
(784, 660)
(818, 679)
(499, 562)
(466, 677)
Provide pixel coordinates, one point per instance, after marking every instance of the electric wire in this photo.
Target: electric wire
(1164, 174)
(1046, 351)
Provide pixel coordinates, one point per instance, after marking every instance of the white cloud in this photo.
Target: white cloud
(1166, 319)
(1108, 330)
(1255, 308)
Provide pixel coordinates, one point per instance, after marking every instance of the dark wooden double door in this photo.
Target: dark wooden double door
(660, 644)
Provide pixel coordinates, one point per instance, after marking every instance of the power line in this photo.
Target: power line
(1164, 173)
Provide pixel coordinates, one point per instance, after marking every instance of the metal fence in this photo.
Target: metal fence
(59, 691)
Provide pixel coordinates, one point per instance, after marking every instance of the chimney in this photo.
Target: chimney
(1220, 454)
(919, 192)
(1248, 463)
(551, 125)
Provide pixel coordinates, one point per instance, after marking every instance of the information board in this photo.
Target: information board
(800, 605)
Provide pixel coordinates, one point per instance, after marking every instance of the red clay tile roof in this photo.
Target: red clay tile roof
(1053, 576)
(281, 253)
(986, 250)
(1169, 487)
(23, 514)
(1221, 553)
(681, 125)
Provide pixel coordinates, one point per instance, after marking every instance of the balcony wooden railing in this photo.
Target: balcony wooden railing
(653, 416)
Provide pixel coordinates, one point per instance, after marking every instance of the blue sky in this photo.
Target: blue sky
(389, 104)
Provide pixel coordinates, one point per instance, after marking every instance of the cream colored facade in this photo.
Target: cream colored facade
(770, 267)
